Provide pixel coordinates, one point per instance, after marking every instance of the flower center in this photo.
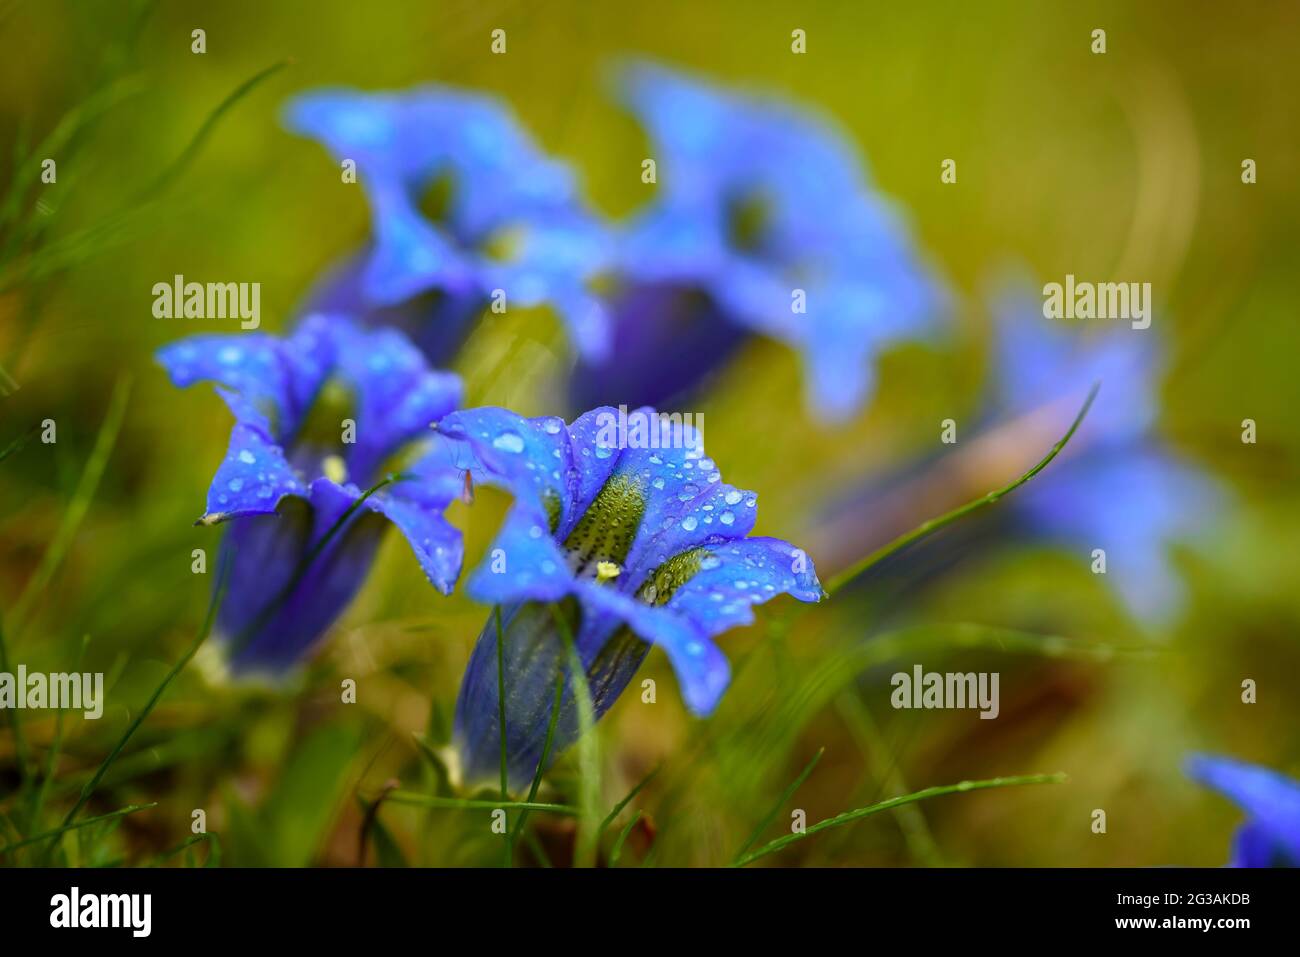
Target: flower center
(604, 534)
(335, 469)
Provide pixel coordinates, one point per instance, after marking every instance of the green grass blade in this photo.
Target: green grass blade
(541, 763)
(501, 722)
(848, 817)
(208, 619)
(179, 848)
(476, 804)
(588, 752)
(539, 852)
(883, 766)
(80, 505)
(617, 851)
(187, 155)
(68, 826)
(15, 721)
(780, 803)
(77, 119)
(618, 808)
(17, 444)
(934, 524)
(501, 698)
(52, 757)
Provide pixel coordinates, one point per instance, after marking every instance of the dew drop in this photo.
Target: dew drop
(508, 442)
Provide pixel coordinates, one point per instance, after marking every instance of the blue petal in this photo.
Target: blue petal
(718, 596)
(686, 503)
(534, 460)
(252, 479)
(398, 396)
(524, 563)
(738, 575)
(1042, 361)
(1271, 800)
(278, 604)
(410, 255)
(824, 231)
(701, 668)
(1253, 846)
(418, 515)
(502, 183)
(356, 126)
(534, 659)
(1130, 501)
(267, 382)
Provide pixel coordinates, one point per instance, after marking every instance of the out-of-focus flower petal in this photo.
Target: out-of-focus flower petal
(1271, 801)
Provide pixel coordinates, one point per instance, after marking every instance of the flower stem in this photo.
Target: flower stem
(934, 524)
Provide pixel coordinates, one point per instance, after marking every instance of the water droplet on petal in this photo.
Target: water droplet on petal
(508, 442)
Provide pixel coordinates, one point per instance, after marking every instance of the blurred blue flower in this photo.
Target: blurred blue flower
(1117, 486)
(634, 545)
(510, 217)
(764, 222)
(318, 415)
(1271, 835)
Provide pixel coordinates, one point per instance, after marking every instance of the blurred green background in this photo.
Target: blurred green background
(1124, 165)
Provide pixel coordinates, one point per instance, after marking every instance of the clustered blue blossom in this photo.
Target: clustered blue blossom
(1119, 488)
(290, 475)
(763, 222)
(512, 222)
(642, 545)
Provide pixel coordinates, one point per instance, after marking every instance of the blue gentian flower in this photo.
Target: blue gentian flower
(633, 545)
(1271, 835)
(1117, 487)
(511, 218)
(756, 199)
(291, 474)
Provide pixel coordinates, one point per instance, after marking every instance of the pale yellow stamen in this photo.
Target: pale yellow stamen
(335, 469)
(607, 571)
